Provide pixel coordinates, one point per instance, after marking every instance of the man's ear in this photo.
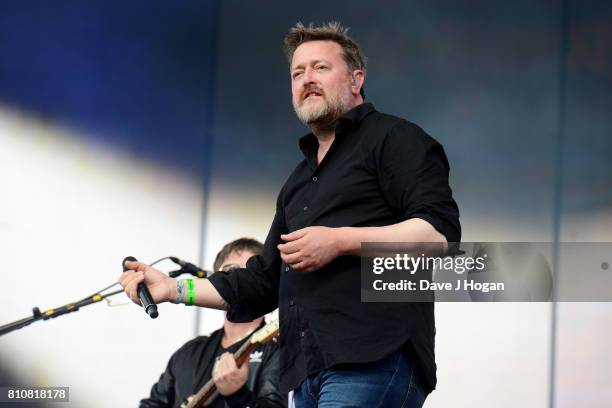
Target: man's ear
(357, 79)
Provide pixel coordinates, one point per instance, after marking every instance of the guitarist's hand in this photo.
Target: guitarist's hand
(228, 377)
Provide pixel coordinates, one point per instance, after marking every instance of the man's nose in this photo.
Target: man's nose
(307, 77)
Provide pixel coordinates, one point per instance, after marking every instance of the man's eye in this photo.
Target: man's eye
(296, 74)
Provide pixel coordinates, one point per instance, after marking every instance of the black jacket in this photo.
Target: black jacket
(190, 368)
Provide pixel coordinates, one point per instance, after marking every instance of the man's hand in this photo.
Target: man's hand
(227, 376)
(160, 285)
(310, 248)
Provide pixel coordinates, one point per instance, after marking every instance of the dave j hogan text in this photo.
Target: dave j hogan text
(424, 284)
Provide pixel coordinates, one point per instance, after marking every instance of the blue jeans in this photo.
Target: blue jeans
(387, 383)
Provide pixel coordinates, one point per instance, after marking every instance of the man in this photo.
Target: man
(254, 384)
(366, 177)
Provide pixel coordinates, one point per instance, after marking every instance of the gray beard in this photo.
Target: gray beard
(324, 118)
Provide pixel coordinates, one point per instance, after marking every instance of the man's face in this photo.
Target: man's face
(236, 260)
(320, 82)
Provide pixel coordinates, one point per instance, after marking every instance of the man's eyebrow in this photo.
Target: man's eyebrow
(301, 66)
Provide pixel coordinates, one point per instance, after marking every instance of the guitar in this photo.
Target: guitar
(208, 393)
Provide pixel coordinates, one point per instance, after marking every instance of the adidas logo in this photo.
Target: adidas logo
(255, 357)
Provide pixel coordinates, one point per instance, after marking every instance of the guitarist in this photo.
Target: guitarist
(252, 385)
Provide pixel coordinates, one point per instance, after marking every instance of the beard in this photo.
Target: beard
(322, 115)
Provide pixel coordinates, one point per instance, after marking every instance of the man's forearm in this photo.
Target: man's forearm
(416, 230)
(205, 294)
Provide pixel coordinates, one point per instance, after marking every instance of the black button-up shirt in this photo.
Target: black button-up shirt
(379, 170)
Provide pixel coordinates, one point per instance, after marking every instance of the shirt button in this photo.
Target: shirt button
(301, 334)
(291, 303)
(305, 208)
(286, 269)
(314, 178)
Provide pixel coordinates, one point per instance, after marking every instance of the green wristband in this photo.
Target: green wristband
(190, 292)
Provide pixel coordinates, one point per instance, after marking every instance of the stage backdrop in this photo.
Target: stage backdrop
(147, 129)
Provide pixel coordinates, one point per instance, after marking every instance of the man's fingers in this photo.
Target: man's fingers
(135, 266)
(301, 266)
(123, 277)
(223, 360)
(289, 247)
(307, 266)
(226, 365)
(130, 285)
(291, 259)
(230, 363)
(294, 235)
(129, 276)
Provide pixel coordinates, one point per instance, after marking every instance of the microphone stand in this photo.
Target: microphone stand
(53, 313)
(73, 307)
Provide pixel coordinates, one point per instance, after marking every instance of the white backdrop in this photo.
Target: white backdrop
(70, 212)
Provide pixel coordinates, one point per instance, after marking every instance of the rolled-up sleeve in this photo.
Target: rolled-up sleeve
(413, 173)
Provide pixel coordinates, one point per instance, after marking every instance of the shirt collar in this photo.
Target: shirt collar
(346, 122)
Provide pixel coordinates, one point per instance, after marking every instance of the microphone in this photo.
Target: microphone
(143, 293)
(186, 268)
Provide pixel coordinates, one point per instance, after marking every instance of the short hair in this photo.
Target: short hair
(238, 245)
(332, 31)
